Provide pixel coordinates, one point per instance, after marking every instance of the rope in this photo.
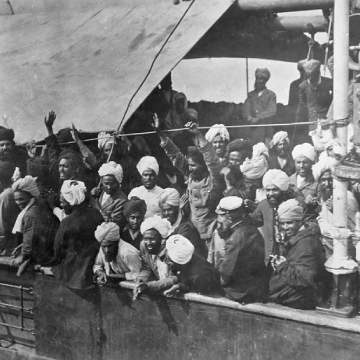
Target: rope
(115, 134)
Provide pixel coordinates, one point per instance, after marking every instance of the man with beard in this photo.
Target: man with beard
(148, 168)
(304, 156)
(10, 152)
(242, 271)
(299, 274)
(276, 184)
(116, 258)
(219, 137)
(169, 202)
(280, 157)
(205, 184)
(322, 205)
(260, 107)
(155, 274)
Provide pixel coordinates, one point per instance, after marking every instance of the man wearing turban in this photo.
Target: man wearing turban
(35, 225)
(243, 253)
(294, 86)
(280, 156)
(205, 183)
(8, 209)
(259, 107)
(299, 271)
(10, 152)
(277, 186)
(322, 205)
(304, 156)
(109, 197)
(219, 137)
(75, 246)
(315, 96)
(134, 212)
(192, 272)
(155, 274)
(148, 168)
(170, 205)
(116, 258)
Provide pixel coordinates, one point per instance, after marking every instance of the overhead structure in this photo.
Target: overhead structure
(87, 65)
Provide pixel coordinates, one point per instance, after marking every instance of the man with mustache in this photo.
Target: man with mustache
(322, 205)
(148, 168)
(259, 107)
(276, 184)
(280, 157)
(219, 137)
(116, 258)
(242, 271)
(299, 273)
(12, 153)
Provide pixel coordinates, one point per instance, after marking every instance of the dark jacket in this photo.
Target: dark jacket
(189, 231)
(289, 167)
(314, 103)
(76, 247)
(39, 226)
(125, 235)
(299, 280)
(200, 276)
(112, 209)
(243, 270)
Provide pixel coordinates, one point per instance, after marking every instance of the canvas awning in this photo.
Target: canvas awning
(87, 65)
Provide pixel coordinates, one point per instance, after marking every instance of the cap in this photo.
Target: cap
(229, 203)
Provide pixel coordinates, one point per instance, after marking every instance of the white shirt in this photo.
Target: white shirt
(151, 197)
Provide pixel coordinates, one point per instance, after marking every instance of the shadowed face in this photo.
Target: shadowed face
(274, 195)
(6, 148)
(135, 220)
(110, 184)
(303, 166)
(22, 198)
(110, 249)
(149, 178)
(224, 224)
(219, 145)
(290, 228)
(236, 158)
(260, 83)
(66, 169)
(170, 212)
(282, 149)
(65, 205)
(152, 240)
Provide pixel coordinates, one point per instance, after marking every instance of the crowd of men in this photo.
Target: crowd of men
(249, 218)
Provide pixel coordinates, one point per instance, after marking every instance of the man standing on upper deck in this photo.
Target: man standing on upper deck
(259, 108)
(315, 96)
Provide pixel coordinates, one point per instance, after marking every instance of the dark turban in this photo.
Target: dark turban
(6, 170)
(6, 134)
(37, 167)
(134, 205)
(64, 136)
(240, 145)
(195, 154)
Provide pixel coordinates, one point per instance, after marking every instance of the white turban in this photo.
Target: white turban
(257, 166)
(73, 192)
(325, 164)
(103, 139)
(148, 163)
(112, 168)
(217, 129)
(170, 196)
(306, 150)
(278, 137)
(107, 231)
(278, 178)
(290, 210)
(179, 249)
(158, 223)
(28, 184)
